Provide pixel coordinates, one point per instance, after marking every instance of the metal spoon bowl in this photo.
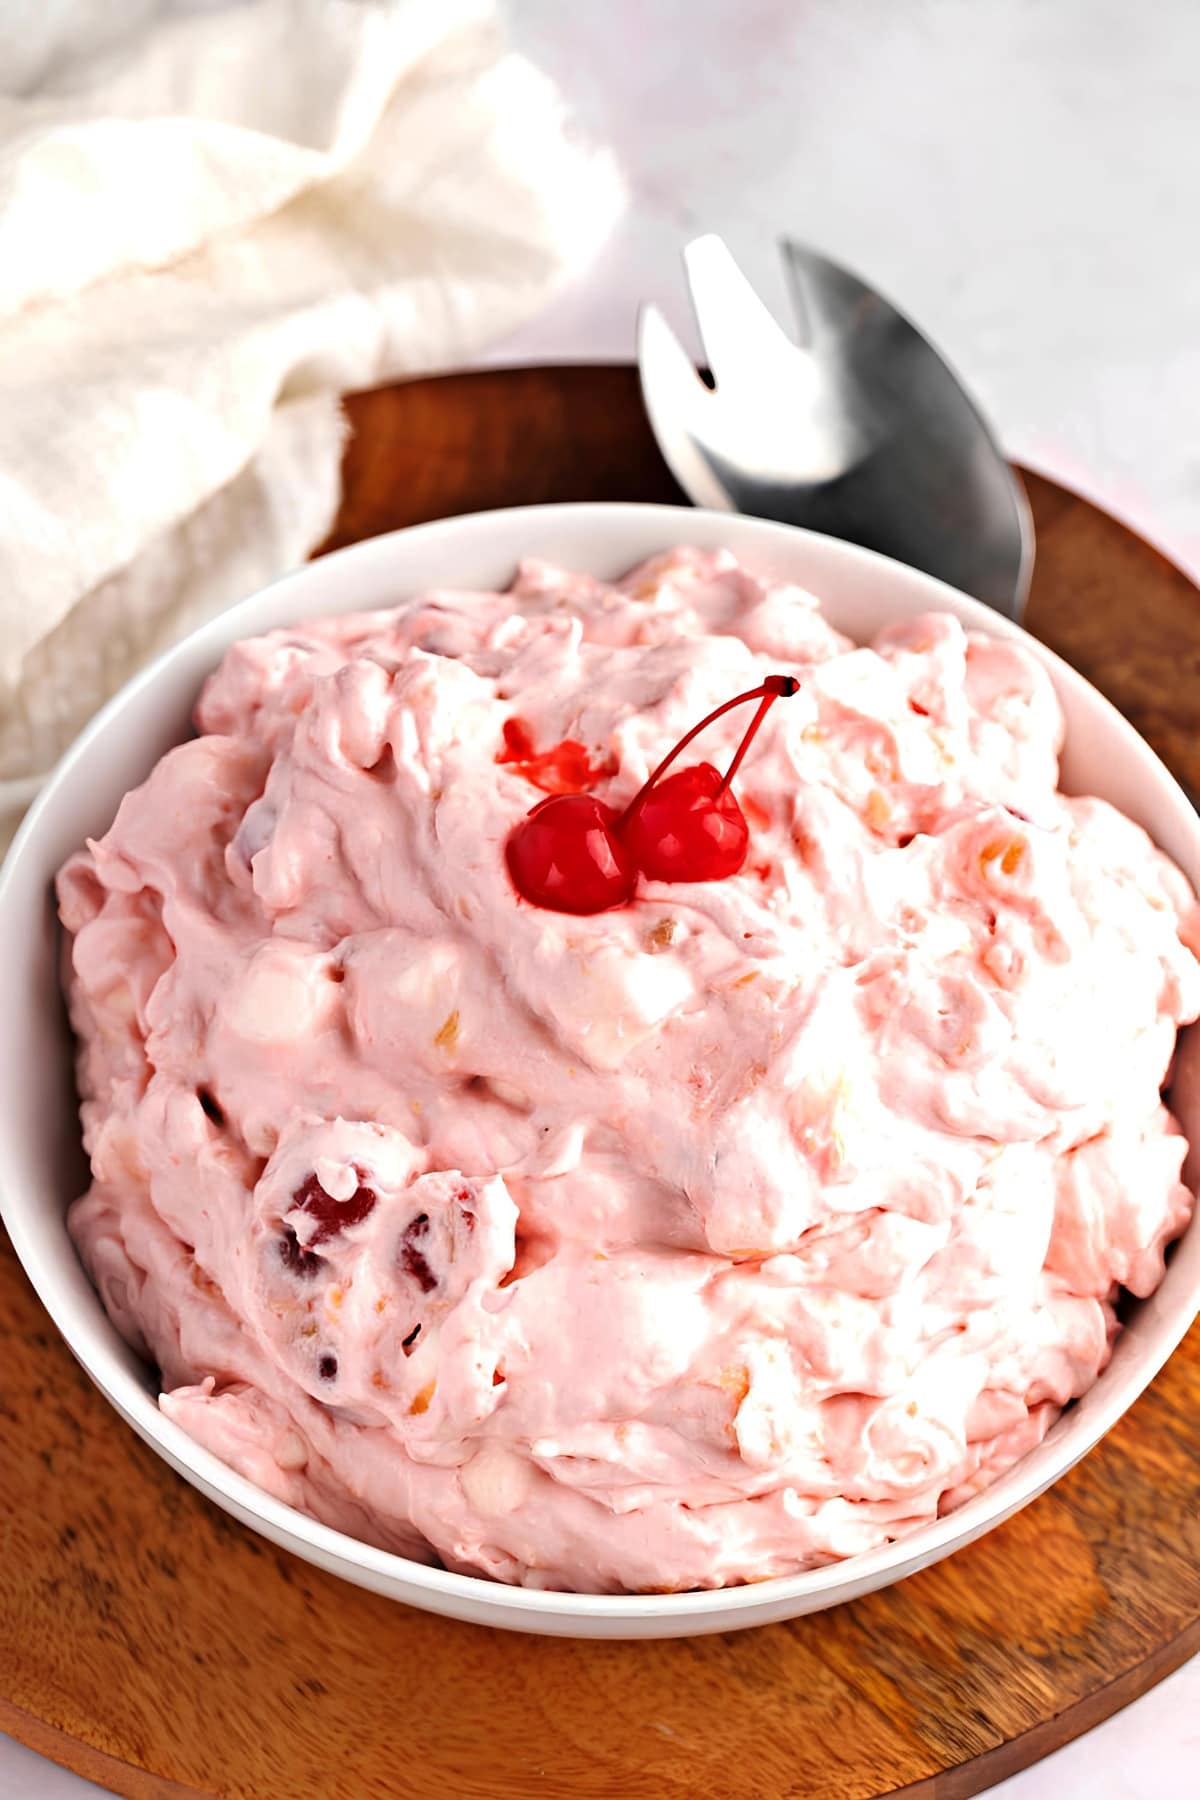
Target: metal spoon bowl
(861, 430)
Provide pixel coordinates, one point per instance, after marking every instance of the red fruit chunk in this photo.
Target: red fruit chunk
(518, 742)
(688, 828)
(566, 768)
(412, 1260)
(332, 1215)
(564, 855)
(297, 1260)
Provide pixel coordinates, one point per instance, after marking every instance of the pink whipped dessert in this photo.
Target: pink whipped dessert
(732, 1230)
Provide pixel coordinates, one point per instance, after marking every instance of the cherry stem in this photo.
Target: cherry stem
(775, 687)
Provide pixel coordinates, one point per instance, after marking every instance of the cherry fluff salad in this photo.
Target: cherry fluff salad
(608, 1183)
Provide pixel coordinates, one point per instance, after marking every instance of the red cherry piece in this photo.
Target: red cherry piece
(413, 1260)
(565, 856)
(518, 742)
(688, 828)
(296, 1259)
(566, 768)
(331, 1215)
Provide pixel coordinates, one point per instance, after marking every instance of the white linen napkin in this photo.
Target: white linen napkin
(212, 223)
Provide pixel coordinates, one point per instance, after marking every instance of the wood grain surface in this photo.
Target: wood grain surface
(150, 1642)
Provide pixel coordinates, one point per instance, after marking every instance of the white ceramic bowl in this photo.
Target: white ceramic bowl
(41, 1165)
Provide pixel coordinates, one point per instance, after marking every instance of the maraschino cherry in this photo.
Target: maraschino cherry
(573, 853)
(566, 855)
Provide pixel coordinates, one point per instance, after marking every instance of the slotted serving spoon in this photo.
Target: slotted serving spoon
(861, 430)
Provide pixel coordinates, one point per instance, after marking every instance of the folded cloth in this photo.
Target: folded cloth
(212, 223)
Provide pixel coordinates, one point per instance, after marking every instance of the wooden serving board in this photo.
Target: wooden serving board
(150, 1642)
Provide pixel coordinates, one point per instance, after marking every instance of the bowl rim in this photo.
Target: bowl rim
(390, 1571)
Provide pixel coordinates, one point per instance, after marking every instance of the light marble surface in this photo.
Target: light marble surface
(1023, 176)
